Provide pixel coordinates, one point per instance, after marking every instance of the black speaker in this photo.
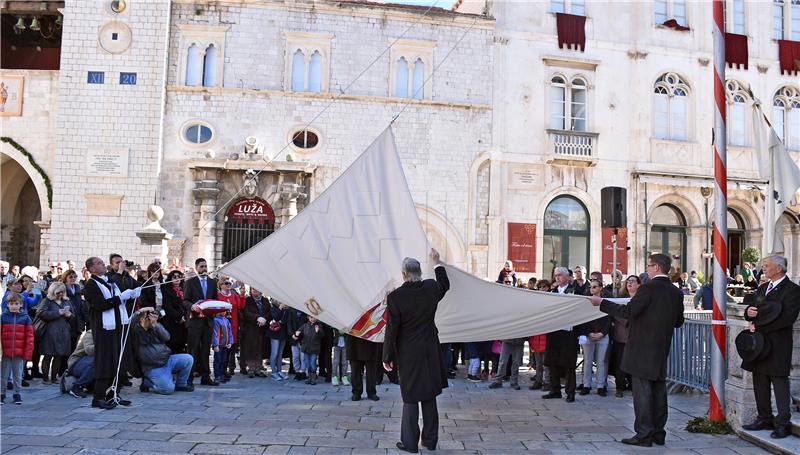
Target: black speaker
(612, 207)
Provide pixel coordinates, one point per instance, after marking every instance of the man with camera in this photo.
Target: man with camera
(155, 359)
(121, 276)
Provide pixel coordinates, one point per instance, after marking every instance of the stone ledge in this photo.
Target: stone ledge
(787, 446)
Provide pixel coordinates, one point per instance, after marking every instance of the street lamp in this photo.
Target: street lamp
(706, 192)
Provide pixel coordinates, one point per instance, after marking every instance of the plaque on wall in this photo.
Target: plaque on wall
(107, 163)
(103, 204)
(522, 246)
(11, 95)
(622, 250)
(525, 176)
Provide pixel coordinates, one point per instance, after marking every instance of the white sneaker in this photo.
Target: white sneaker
(334, 381)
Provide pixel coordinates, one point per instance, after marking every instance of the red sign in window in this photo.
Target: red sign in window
(251, 211)
(522, 246)
(622, 250)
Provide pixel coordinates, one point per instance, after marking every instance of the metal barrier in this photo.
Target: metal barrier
(689, 361)
(702, 315)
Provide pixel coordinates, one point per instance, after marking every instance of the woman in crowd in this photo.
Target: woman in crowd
(174, 315)
(151, 294)
(55, 345)
(79, 308)
(596, 345)
(277, 334)
(751, 282)
(254, 326)
(619, 333)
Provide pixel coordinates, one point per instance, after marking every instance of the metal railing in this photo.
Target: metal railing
(572, 144)
(702, 315)
(689, 362)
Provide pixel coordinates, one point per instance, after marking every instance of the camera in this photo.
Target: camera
(129, 264)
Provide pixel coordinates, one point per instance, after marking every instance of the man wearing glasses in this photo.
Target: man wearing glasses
(653, 314)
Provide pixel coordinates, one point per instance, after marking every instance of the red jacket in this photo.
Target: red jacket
(237, 304)
(538, 343)
(16, 335)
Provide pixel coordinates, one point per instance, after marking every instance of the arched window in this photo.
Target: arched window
(668, 234)
(786, 116)
(194, 66)
(315, 73)
(401, 78)
(671, 113)
(298, 71)
(418, 80)
(566, 234)
(737, 102)
(210, 67)
(482, 204)
(563, 95)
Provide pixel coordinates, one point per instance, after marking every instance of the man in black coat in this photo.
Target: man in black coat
(412, 344)
(199, 327)
(653, 314)
(774, 368)
(362, 354)
(561, 356)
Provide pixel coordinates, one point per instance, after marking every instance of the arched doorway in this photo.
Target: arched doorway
(736, 228)
(566, 234)
(247, 222)
(668, 234)
(21, 208)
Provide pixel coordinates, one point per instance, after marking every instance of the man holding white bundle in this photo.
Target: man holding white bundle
(109, 320)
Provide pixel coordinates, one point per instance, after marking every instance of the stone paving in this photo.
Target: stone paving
(261, 416)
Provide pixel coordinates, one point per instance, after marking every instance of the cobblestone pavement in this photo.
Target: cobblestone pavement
(261, 416)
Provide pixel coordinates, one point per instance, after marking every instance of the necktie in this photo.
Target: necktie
(769, 288)
(204, 285)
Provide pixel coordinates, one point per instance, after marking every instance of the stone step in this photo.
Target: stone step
(786, 446)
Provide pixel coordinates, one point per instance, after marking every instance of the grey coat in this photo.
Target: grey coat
(57, 339)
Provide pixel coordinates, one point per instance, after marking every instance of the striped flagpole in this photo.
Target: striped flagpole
(719, 322)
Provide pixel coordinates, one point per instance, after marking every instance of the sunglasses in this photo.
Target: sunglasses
(227, 283)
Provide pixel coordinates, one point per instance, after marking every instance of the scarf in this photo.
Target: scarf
(110, 290)
(178, 291)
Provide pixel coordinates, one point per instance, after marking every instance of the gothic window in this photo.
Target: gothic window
(737, 102)
(401, 78)
(786, 116)
(671, 108)
(786, 19)
(194, 66)
(411, 68)
(202, 48)
(307, 62)
(210, 67)
(298, 71)
(568, 104)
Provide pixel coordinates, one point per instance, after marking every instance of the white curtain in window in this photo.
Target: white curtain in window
(557, 107)
(736, 122)
(778, 120)
(315, 73)
(679, 120)
(679, 11)
(738, 17)
(194, 66)
(660, 11)
(557, 6)
(578, 110)
(401, 78)
(210, 67)
(777, 19)
(298, 71)
(418, 79)
(793, 128)
(661, 113)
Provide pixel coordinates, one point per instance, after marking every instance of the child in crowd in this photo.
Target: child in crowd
(310, 337)
(473, 353)
(16, 334)
(339, 373)
(221, 341)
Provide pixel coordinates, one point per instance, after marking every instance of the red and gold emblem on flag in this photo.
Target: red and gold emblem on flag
(371, 323)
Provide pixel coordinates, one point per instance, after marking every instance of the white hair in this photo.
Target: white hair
(561, 270)
(412, 269)
(780, 261)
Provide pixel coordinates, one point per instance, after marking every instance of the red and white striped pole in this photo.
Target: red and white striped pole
(719, 321)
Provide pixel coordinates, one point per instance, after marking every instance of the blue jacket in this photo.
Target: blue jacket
(29, 302)
(222, 334)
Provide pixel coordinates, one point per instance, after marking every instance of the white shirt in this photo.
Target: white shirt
(776, 283)
(561, 289)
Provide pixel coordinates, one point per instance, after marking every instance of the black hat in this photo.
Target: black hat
(768, 311)
(751, 346)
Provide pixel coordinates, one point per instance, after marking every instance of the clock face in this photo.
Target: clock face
(115, 37)
(118, 6)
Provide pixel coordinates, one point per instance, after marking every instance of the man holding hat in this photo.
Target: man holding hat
(777, 304)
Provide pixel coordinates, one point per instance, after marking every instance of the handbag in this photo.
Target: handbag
(274, 326)
(497, 346)
(39, 327)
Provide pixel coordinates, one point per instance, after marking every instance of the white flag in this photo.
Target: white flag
(341, 255)
(777, 166)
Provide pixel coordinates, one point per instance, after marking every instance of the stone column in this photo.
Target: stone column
(290, 193)
(44, 245)
(205, 194)
(154, 238)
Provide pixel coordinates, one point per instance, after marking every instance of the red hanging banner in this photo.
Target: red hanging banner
(251, 211)
(522, 246)
(622, 250)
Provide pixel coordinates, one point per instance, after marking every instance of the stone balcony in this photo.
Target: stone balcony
(573, 148)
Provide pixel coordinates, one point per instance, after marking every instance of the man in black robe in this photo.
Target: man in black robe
(107, 316)
(412, 344)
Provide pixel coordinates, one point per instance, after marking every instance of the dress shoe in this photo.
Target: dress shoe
(102, 404)
(759, 424)
(123, 402)
(551, 395)
(429, 447)
(356, 397)
(515, 386)
(209, 382)
(634, 441)
(570, 398)
(402, 447)
(780, 432)
(374, 397)
(584, 391)
(496, 385)
(535, 385)
(618, 393)
(659, 439)
(602, 391)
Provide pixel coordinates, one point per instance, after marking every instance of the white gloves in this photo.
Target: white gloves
(130, 294)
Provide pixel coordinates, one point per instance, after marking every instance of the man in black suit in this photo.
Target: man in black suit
(561, 355)
(199, 327)
(653, 314)
(774, 368)
(412, 345)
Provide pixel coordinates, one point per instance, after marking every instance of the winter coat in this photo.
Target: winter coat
(778, 333)
(150, 346)
(411, 341)
(562, 345)
(16, 335)
(653, 314)
(85, 348)
(538, 343)
(295, 320)
(29, 302)
(252, 335)
(310, 338)
(362, 350)
(237, 306)
(222, 335)
(174, 318)
(477, 349)
(282, 316)
(79, 309)
(57, 338)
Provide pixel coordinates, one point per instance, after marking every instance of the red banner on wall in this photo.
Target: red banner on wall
(522, 246)
(251, 211)
(622, 250)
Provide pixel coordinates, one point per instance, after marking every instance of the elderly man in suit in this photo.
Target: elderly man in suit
(411, 344)
(199, 327)
(561, 354)
(773, 370)
(653, 314)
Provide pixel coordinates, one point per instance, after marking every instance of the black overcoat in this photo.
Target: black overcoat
(107, 343)
(412, 339)
(361, 350)
(174, 318)
(778, 333)
(653, 314)
(253, 336)
(562, 345)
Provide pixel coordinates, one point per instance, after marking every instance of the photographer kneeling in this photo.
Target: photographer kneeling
(155, 359)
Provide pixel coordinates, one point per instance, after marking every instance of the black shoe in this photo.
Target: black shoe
(759, 424)
(9, 386)
(126, 382)
(25, 383)
(123, 402)
(634, 441)
(356, 397)
(77, 392)
(3, 399)
(619, 393)
(535, 385)
(473, 378)
(496, 385)
(551, 395)
(429, 447)
(515, 386)
(209, 382)
(298, 377)
(400, 446)
(184, 388)
(18, 400)
(571, 398)
(102, 404)
(374, 397)
(659, 440)
(451, 375)
(780, 432)
(584, 391)
(602, 392)
(143, 388)
(252, 375)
